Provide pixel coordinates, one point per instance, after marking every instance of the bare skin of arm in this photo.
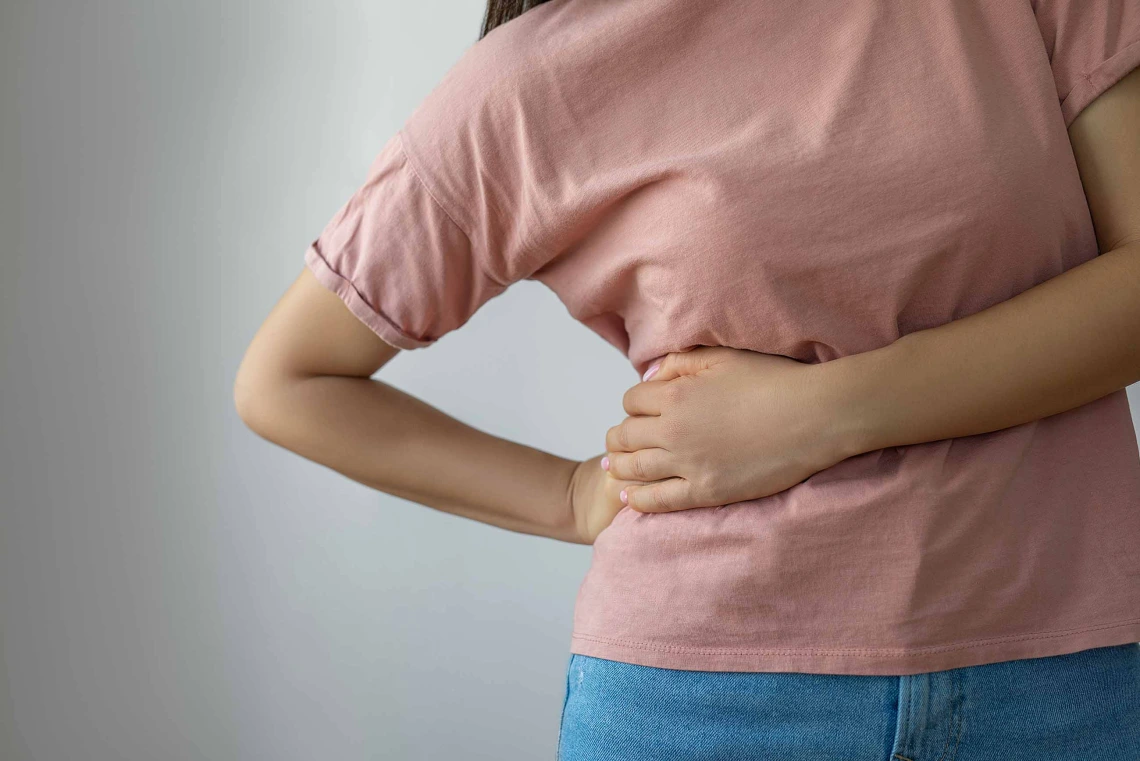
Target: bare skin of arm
(718, 425)
(305, 384)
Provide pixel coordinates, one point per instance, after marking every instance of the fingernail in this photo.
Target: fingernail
(652, 369)
(605, 463)
(623, 497)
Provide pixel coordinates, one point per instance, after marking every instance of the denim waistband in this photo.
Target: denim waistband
(1076, 705)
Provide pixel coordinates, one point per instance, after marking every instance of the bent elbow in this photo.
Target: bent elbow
(244, 401)
(251, 397)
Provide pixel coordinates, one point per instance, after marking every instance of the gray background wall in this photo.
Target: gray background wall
(171, 586)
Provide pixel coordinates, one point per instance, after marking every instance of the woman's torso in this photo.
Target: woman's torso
(809, 179)
(817, 180)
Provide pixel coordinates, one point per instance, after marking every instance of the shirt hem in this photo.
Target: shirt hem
(857, 661)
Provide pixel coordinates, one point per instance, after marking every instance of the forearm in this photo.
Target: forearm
(1066, 342)
(384, 438)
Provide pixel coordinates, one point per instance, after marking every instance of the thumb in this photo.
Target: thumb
(678, 363)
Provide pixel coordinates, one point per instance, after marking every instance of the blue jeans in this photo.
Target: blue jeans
(1072, 707)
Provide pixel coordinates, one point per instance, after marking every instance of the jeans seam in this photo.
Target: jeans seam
(565, 701)
(956, 718)
(904, 714)
(953, 717)
(961, 722)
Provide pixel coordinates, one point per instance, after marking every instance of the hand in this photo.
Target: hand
(715, 425)
(594, 498)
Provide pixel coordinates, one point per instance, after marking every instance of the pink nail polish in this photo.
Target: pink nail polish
(606, 463)
(624, 497)
(652, 369)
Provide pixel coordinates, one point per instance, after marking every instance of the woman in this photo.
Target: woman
(878, 493)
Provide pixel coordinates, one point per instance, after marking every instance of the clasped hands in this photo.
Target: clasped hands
(709, 426)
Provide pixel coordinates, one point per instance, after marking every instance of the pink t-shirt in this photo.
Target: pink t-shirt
(811, 179)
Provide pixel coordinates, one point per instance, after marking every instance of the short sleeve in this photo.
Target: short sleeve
(452, 208)
(1091, 44)
(396, 258)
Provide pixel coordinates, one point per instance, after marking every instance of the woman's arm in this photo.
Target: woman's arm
(1067, 342)
(305, 384)
(719, 425)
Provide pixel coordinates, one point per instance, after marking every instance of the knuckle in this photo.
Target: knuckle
(618, 468)
(639, 500)
(627, 400)
(660, 502)
(612, 438)
(678, 390)
(638, 467)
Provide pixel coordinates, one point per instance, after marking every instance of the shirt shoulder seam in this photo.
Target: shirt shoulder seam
(431, 193)
(408, 151)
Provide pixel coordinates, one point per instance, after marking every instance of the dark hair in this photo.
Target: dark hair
(502, 11)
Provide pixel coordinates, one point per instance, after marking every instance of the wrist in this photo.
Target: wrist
(856, 393)
(573, 528)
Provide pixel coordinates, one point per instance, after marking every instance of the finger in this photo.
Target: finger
(611, 491)
(645, 398)
(690, 362)
(634, 433)
(642, 465)
(662, 497)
